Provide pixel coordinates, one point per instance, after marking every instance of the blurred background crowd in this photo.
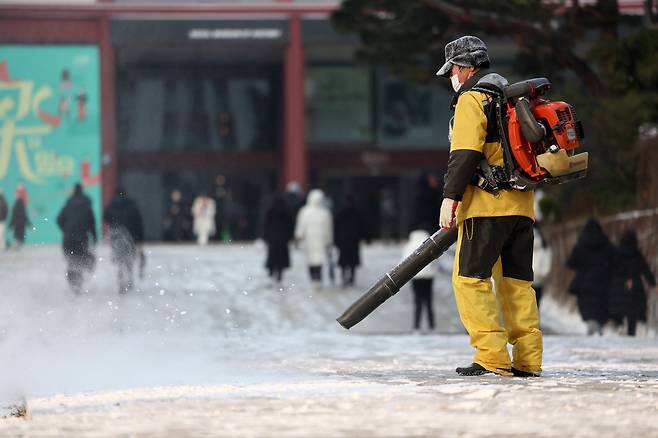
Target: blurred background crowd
(230, 121)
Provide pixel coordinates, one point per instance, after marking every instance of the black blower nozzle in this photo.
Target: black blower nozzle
(390, 284)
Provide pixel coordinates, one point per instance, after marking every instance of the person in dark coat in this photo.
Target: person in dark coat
(126, 233)
(422, 282)
(592, 258)
(177, 223)
(19, 220)
(278, 231)
(4, 212)
(77, 222)
(428, 199)
(349, 230)
(629, 299)
(294, 197)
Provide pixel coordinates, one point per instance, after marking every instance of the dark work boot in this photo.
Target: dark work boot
(519, 373)
(472, 370)
(475, 369)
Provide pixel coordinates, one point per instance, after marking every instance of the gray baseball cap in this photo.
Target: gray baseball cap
(467, 51)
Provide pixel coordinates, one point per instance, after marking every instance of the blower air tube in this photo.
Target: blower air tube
(533, 131)
(390, 284)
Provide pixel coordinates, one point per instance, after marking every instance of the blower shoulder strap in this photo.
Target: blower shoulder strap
(491, 83)
(488, 177)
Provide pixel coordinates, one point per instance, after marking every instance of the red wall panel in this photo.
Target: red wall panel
(43, 31)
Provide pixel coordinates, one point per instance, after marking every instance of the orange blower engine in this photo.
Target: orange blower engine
(539, 136)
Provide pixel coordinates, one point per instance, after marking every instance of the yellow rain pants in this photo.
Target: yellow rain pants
(479, 309)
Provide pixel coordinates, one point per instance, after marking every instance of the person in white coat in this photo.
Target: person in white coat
(421, 284)
(314, 231)
(203, 211)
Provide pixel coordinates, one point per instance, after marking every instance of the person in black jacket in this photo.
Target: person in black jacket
(278, 231)
(349, 230)
(77, 222)
(177, 223)
(126, 233)
(4, 211)
(19, 220)
(593, 259)
(629, 299)
(428, 198)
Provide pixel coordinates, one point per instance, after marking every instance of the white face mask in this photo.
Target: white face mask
(454, 79)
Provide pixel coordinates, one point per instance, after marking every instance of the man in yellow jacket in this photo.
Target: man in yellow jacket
(493, 225)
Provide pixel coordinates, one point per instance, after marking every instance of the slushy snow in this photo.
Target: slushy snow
(208, 345)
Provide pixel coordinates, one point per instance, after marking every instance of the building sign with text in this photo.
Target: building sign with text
(49, 131)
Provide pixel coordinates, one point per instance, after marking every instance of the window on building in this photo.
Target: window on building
(196, 109)
(338, 106)
(411, 115)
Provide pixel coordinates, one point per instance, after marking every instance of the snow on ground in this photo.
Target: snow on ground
(208, 346)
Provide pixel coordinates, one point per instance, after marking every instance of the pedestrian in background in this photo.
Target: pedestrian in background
(314, 231)
(428, 198)
(277, 233)
(4, 212)
(78, 225)
(203, 211)
(593, 259)
(176, 222)
(294, 197)
(349, 231)
(629, 297)
(388, 215)
(19, 218)
(422, 282)
(126, 234)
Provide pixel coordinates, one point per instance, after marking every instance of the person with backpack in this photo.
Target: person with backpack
(490, 226)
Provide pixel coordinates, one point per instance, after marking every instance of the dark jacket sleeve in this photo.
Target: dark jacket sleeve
(461, 167)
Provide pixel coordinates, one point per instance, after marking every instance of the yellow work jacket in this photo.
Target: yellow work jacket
(469, 132)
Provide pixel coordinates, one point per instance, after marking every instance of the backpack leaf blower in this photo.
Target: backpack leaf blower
(538, 138)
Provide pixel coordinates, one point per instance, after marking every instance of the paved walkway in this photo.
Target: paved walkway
(379, 386)
(208, 347)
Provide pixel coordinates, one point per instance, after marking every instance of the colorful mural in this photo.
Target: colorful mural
(49, 131)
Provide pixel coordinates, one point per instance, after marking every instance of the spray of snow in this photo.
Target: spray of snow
(199, 315)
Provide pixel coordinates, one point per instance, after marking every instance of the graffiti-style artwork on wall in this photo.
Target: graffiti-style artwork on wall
(49, 130)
